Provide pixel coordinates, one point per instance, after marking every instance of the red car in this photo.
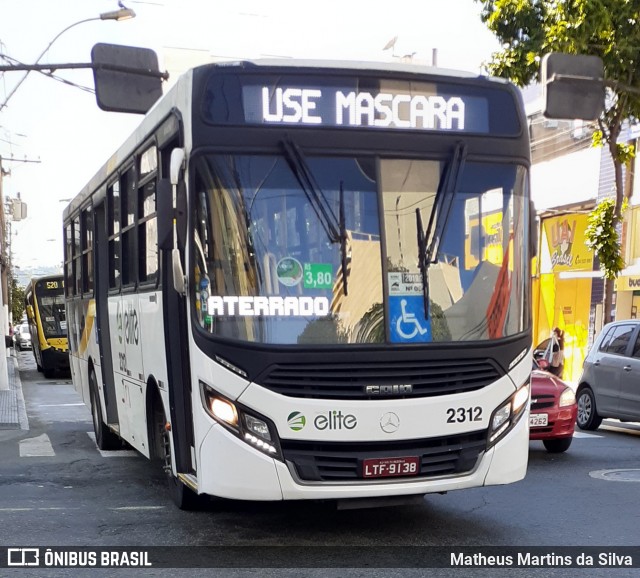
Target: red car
(553, 410)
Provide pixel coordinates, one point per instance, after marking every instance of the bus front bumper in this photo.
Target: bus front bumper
(252, 475)
(55, 359)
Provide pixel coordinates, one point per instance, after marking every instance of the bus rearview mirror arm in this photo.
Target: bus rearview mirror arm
(167, 218)
(179, 280)
(177, 158)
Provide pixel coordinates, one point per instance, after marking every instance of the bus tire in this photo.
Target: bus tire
(181, 495)
(105, 438)
(48, 373)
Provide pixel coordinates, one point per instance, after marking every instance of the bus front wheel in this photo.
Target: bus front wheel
(181, 495)
(105, 438)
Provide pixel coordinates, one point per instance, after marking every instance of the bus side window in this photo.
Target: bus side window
(87, 251)
(128, 223)
(68, 260)
(147, 221)
(113, 218)
(77, 257)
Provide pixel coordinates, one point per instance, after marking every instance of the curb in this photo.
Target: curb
(13, 412)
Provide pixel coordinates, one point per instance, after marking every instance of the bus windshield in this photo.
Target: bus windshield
(52, 312)
(268, 269)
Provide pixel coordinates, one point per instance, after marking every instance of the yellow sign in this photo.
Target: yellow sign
(628, 283)
(566, 243)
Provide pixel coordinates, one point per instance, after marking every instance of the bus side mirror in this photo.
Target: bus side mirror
(572, 86)
(29, 311)
(126, 78)
(165, 215)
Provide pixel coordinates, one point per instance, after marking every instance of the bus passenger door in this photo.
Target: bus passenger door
(102, 313)
(176, 336)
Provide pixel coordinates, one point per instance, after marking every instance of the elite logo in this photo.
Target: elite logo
(296, 421)
(332, 420)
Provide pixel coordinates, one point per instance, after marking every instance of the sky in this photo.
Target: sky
(54, 138)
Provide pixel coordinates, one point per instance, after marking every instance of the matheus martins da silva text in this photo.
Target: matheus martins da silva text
(551, 559)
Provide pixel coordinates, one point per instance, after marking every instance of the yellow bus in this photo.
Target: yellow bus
(44, 302)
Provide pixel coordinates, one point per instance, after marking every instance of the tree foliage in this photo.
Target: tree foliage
(17, 300)
(609, 29)
(601, 237)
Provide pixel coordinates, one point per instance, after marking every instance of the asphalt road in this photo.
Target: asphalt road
(57, 489)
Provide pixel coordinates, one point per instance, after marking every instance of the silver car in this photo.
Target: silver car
(22, 337)
(610, 382)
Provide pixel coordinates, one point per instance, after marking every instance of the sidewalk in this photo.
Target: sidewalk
(13, 414)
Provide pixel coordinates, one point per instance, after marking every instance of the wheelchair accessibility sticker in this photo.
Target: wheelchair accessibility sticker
(408, 324)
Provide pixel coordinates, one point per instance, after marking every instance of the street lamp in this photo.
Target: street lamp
(117, 15)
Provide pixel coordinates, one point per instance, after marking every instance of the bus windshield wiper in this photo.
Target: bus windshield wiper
(438, 219)
(343, 240)
(314, 194)
(336, 230)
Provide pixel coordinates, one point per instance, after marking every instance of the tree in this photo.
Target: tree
(17, 300)
(609, 29)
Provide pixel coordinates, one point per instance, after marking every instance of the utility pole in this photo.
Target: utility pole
(4, 373)
(5, 265)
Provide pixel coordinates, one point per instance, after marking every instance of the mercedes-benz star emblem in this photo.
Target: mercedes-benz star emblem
(389, 422)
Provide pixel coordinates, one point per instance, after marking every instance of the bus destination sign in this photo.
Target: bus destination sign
(425, 103)
(300, 105)
(394, 109)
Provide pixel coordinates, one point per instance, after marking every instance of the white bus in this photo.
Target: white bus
(303, 280)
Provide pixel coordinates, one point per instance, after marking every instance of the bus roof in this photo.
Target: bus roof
(350, 65)
(46, 277)
(163, 106)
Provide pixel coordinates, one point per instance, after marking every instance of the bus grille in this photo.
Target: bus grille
(333, 462)
(351, 380)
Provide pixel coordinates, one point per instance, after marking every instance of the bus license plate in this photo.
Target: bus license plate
(538, 419)
(389, 467)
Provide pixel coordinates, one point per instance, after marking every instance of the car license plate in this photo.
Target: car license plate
(538, 419)
(389, 467)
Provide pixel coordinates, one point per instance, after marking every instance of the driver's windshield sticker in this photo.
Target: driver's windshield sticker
(408, 323)
(289, 271)
(245, 306)
(405, 283)
(318, 276)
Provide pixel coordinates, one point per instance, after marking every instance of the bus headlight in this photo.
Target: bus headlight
(507, 415)
(224, 410)
(253, 429)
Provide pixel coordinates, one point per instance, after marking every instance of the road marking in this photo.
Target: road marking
(135, 508)
(59, 404)
(579, 434)
(622, 429)
(36, 447)
(113, 453)
(122, 508)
